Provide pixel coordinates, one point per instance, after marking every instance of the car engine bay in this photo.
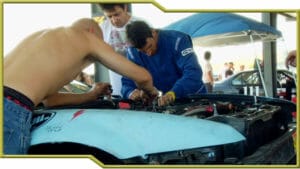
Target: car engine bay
(264, 122)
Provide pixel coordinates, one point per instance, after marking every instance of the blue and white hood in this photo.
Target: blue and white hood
(128, 133)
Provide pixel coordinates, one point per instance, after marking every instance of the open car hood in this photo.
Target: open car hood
(128, 133)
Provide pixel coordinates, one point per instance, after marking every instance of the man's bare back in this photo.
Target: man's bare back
(47, 60)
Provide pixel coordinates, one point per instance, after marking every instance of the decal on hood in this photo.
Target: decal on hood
(76, 114)
(41, 118)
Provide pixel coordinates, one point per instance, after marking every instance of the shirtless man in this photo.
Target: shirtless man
(47, 60)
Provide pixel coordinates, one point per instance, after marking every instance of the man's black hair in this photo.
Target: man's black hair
(111, 6)
(207, 55)
(137, 32)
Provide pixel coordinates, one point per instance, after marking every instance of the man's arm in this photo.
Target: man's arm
(116, 62)
(210, 75)
(191, 80)
(68, 98)
(128, 87)
(60, 99)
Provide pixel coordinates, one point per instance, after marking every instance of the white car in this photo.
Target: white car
(202, 129)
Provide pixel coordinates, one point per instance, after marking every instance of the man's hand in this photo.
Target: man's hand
(100, 89)
(145, 97)
(166, 99)
(136, 95)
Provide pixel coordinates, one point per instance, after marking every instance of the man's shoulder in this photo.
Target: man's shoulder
(172, 37)
(132, 50)
(134, 18)
(132, 53)
(105, 24)
(172, 34)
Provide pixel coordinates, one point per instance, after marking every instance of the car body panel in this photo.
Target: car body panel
(127, 133)
(249, 78)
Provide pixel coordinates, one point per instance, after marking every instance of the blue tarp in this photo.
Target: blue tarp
(223, 29)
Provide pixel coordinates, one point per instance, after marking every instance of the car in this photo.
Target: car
(76, 86)
(236, 83)
(200, 129)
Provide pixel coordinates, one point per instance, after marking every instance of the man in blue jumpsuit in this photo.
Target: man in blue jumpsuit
(169, 56)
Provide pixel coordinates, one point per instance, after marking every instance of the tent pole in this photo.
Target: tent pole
(259, 69)
(261, 76)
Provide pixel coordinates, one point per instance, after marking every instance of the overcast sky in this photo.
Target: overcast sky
(22, 19)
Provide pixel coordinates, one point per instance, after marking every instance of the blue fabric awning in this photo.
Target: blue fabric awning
(215, 29)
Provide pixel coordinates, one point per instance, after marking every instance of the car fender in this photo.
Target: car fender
(127, 133)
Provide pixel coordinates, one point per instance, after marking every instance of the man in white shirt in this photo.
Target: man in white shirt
(113, 27)
(208, 73)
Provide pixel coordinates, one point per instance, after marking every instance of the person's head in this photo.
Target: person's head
(207, 55)
(231, 64)
(117, 13)
(228, 73)
(142, 37)
(226, 65)
(242, 67)
(291, 59)
(88, 25)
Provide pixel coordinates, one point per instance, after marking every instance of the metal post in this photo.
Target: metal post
(269, 57)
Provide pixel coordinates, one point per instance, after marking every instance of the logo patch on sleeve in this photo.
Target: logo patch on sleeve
(187, 51)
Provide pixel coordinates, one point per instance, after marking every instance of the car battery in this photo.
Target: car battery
(259, 124)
